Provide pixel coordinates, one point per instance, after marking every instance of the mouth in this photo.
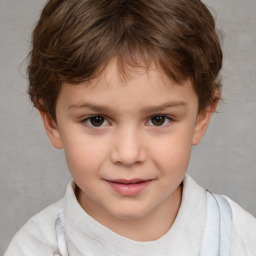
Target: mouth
(129, 187)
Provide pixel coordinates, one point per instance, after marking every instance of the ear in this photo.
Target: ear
(51, 129)
(202, 122)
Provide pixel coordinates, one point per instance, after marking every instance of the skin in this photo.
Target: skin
(144, 132)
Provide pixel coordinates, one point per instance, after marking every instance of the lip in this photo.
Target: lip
(128, 187)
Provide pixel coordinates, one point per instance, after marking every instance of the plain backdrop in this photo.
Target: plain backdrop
(33, 174)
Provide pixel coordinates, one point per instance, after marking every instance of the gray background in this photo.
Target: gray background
(33, 174)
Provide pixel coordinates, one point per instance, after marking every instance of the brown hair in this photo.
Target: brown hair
(74, 40)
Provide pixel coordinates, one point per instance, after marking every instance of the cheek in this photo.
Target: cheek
(172, 154)
(84, 157)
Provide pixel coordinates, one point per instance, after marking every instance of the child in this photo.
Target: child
(126, 88)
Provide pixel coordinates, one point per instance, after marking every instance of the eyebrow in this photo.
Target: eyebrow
(164, 106)
(147, 109)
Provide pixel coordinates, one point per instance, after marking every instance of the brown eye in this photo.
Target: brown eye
(159, 120)
(96, 121)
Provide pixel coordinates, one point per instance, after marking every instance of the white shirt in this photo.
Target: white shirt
(85, 236)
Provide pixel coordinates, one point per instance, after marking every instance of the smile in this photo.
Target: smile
(129, 187)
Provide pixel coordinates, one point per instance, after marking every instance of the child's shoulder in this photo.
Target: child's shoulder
(243, 237)
(243, 230)
(38, 232)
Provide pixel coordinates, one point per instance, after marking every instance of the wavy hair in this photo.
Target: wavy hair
(74, 40)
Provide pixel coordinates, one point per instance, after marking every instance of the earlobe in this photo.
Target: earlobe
(51, 129)
(202, 122)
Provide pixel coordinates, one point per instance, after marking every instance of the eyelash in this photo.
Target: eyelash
(166, 119)
(88, 121)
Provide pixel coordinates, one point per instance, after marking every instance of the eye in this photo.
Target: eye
(96, 121)
(159, 120)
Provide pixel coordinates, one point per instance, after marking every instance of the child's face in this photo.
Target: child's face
(127, 143)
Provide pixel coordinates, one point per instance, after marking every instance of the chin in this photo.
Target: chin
(130, 214)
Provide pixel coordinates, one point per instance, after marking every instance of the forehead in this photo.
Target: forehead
(115, 73)
(139, 89)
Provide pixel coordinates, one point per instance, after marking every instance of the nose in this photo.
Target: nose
(128, 148)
